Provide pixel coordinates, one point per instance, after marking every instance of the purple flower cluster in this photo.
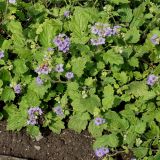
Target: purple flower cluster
(155, 39)
(97, 41)
(69, 75)
(17, 88)
(100, 152)
(1, 54)
(98, 121)
(39, 81)
(59, 68)
(62, 42)
(152, 79)
(58, 110)
(33, 113)
(103, 30)
(43, 69)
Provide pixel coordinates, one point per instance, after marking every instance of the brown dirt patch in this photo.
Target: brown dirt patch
(66, 146)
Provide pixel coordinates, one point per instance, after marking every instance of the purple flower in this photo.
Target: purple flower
(66, 13)
(43, 69)
(108, 31)
(115, 29)
(59, 68)
(33, 114)
(105, 150)
(12, 1)
(1, 54)
(101, 30)
(155, 39)
(50, 49)
(62, 42)
(69, 75)
(152, 79)
(17, 88)
(98, 41)
(32, 121)
(98, 121)
(58, 110)
(99, 152)
(39, 81)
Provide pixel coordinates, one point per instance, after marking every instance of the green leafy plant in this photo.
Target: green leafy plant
(92, 64)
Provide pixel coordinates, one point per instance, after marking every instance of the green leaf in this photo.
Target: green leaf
(130, 137)
(73, 90)
(137, 88)
(89, 104)
(96, 131)
(17, 34)
(133, 61)
(6, 44)
(138, 19)
(57, 125)
(7, 94)
(5, 75)
(125, 14)
(79, 121)
(31, 98)
(17, 119)
(108, 99)
(132, 36)
(110, 140)
(115, 122)
(119, 1)
(49, 30)
(39, 90)
(79, 24)
(20, 66)
(121, 77)
(113, 58)
(140, 127)
(140, 152)
(33, 131)
(78, 65)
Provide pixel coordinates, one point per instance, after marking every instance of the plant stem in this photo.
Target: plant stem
(59, 81)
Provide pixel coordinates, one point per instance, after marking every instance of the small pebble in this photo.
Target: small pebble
(37, 147)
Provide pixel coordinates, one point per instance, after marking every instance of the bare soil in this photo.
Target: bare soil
(66, 146)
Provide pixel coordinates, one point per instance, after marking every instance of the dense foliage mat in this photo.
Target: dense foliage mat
(83, 65)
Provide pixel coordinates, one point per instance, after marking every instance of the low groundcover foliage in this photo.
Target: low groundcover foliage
(83, 65)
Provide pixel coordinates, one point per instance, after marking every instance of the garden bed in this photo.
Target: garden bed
(66, 146)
